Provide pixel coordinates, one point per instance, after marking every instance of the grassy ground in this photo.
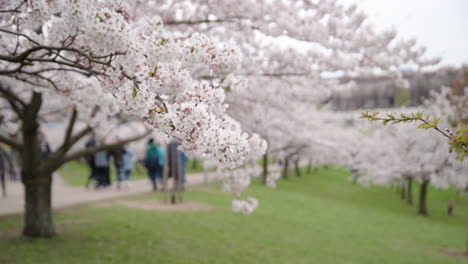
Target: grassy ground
(319, 218)
(194, 166)
(76, 173)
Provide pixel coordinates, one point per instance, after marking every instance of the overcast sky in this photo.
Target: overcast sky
(440, 25)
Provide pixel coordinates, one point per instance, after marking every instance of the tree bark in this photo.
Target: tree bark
(296, 167)
(265, 168)
(403, 191)
(285, 168)
(397, 188)
(37, 183)
(37, 167)
(38, 207)
(2, 179)
(451, 208)
(423, 198)
(409, 195)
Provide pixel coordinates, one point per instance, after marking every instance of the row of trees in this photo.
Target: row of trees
(178, 65)
(413, 155)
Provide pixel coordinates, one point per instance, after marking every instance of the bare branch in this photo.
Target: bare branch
(9, 94)
(16, 10)
(75, 138)
(11, 142)
(195, 22)
(71, 125)
(93, 150)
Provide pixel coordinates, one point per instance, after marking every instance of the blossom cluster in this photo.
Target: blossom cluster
(244, 206)
(96, 56)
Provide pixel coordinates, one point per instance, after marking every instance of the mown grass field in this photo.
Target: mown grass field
(319, 218)
(76, 173)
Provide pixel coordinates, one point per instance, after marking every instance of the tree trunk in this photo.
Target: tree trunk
(38, 210)
(423, 198)
(309, 167)
(296, 167)
(37, 183)
(409, 196)
(194, 164)
(403, 191)
(265, 168)
(285, 168)
(451, 208)
(2, 179)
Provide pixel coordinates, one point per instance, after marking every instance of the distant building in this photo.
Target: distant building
(381, 91)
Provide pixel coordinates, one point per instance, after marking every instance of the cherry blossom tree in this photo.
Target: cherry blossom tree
(423, 156)
(289, 47)
(177, 65)
(452, 109)
(93, 56)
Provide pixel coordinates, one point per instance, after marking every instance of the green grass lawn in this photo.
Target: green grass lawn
(76, 173)
(194, 166)
(319, 218)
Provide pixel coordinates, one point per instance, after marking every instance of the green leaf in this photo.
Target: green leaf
(100, 18)
(164, 41)
(134, 92)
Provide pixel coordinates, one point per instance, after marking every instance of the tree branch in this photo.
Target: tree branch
(75, 138)
(89, 151)
(16, 10)
(55, 159)
(70, 127)
(195, 22)
(11, 142)
(9, 94)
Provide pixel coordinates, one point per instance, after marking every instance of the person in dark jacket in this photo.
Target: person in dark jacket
(154, 163)
(117, 156)
(101, 163)
(90, 160)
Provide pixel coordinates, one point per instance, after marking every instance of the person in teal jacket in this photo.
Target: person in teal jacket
(154, 163)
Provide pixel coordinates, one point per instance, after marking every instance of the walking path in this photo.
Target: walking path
(64, 195)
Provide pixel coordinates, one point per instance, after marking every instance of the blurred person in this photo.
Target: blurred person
(154, 163)
(90, 161)
(176, 162)
(101, 163)
(6, 167)
(117, 156)
(183, 167)
(127, 167)
(44, 144)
